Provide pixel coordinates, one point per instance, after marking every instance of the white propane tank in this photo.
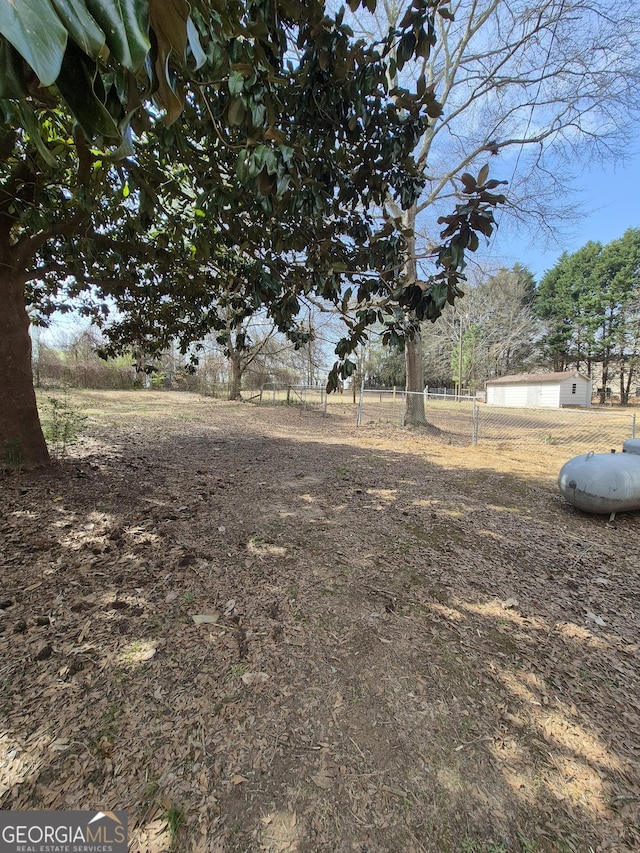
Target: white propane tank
(602, 482)
(631, 445)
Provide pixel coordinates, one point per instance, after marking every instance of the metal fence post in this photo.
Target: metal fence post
(359, 413)
(633, 425)
(474, 422)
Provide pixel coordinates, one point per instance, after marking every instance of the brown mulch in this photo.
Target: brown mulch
(259, 629)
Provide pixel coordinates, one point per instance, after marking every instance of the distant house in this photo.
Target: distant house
(555, 390)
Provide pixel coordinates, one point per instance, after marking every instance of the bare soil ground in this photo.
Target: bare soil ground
(258, 629)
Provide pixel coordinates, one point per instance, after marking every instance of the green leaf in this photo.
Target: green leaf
(236, 83)
(11, 81)
(237, 113)
(125, 24)
(126, 148)
(82, 27)
(37, 33)
(30, 122)
(348, 368)
(77, 84)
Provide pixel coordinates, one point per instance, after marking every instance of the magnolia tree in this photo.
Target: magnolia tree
(191, 162)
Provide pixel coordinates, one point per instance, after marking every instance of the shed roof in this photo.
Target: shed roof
(536, 378)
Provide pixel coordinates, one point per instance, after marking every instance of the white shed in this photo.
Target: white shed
(568, 388)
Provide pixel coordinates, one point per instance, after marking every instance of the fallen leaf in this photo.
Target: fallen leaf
(43, 651)
(518, 722)
(510, 602)
(238, 779)
(206, 618)
(147, 655)
(591, 617)
(249, 678)
(322, 780)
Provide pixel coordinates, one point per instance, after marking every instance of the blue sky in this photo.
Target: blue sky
(609, 196)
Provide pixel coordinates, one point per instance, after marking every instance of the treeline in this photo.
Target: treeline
(589, 308)
(251, 360)
(584, 314)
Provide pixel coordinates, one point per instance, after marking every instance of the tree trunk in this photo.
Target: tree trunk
(235, 387)
(21, 440)
(625, 382)
(605, 379)
(414, 410)
(627, 390)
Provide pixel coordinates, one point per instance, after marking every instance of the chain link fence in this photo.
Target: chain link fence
(308, 396)
(465, 420)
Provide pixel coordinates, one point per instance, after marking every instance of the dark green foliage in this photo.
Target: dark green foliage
(590, 306)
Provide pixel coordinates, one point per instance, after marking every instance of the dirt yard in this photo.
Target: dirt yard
(258, 629)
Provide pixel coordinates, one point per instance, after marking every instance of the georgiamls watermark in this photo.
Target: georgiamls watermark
(63, 832)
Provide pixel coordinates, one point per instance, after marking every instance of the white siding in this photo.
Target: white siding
(521, 394)
(550, 394)
(582, 395)
(507, 395)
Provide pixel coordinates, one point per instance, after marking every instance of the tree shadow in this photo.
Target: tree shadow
(399, 655)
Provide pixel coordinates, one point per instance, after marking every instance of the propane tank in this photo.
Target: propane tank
(603, 482)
